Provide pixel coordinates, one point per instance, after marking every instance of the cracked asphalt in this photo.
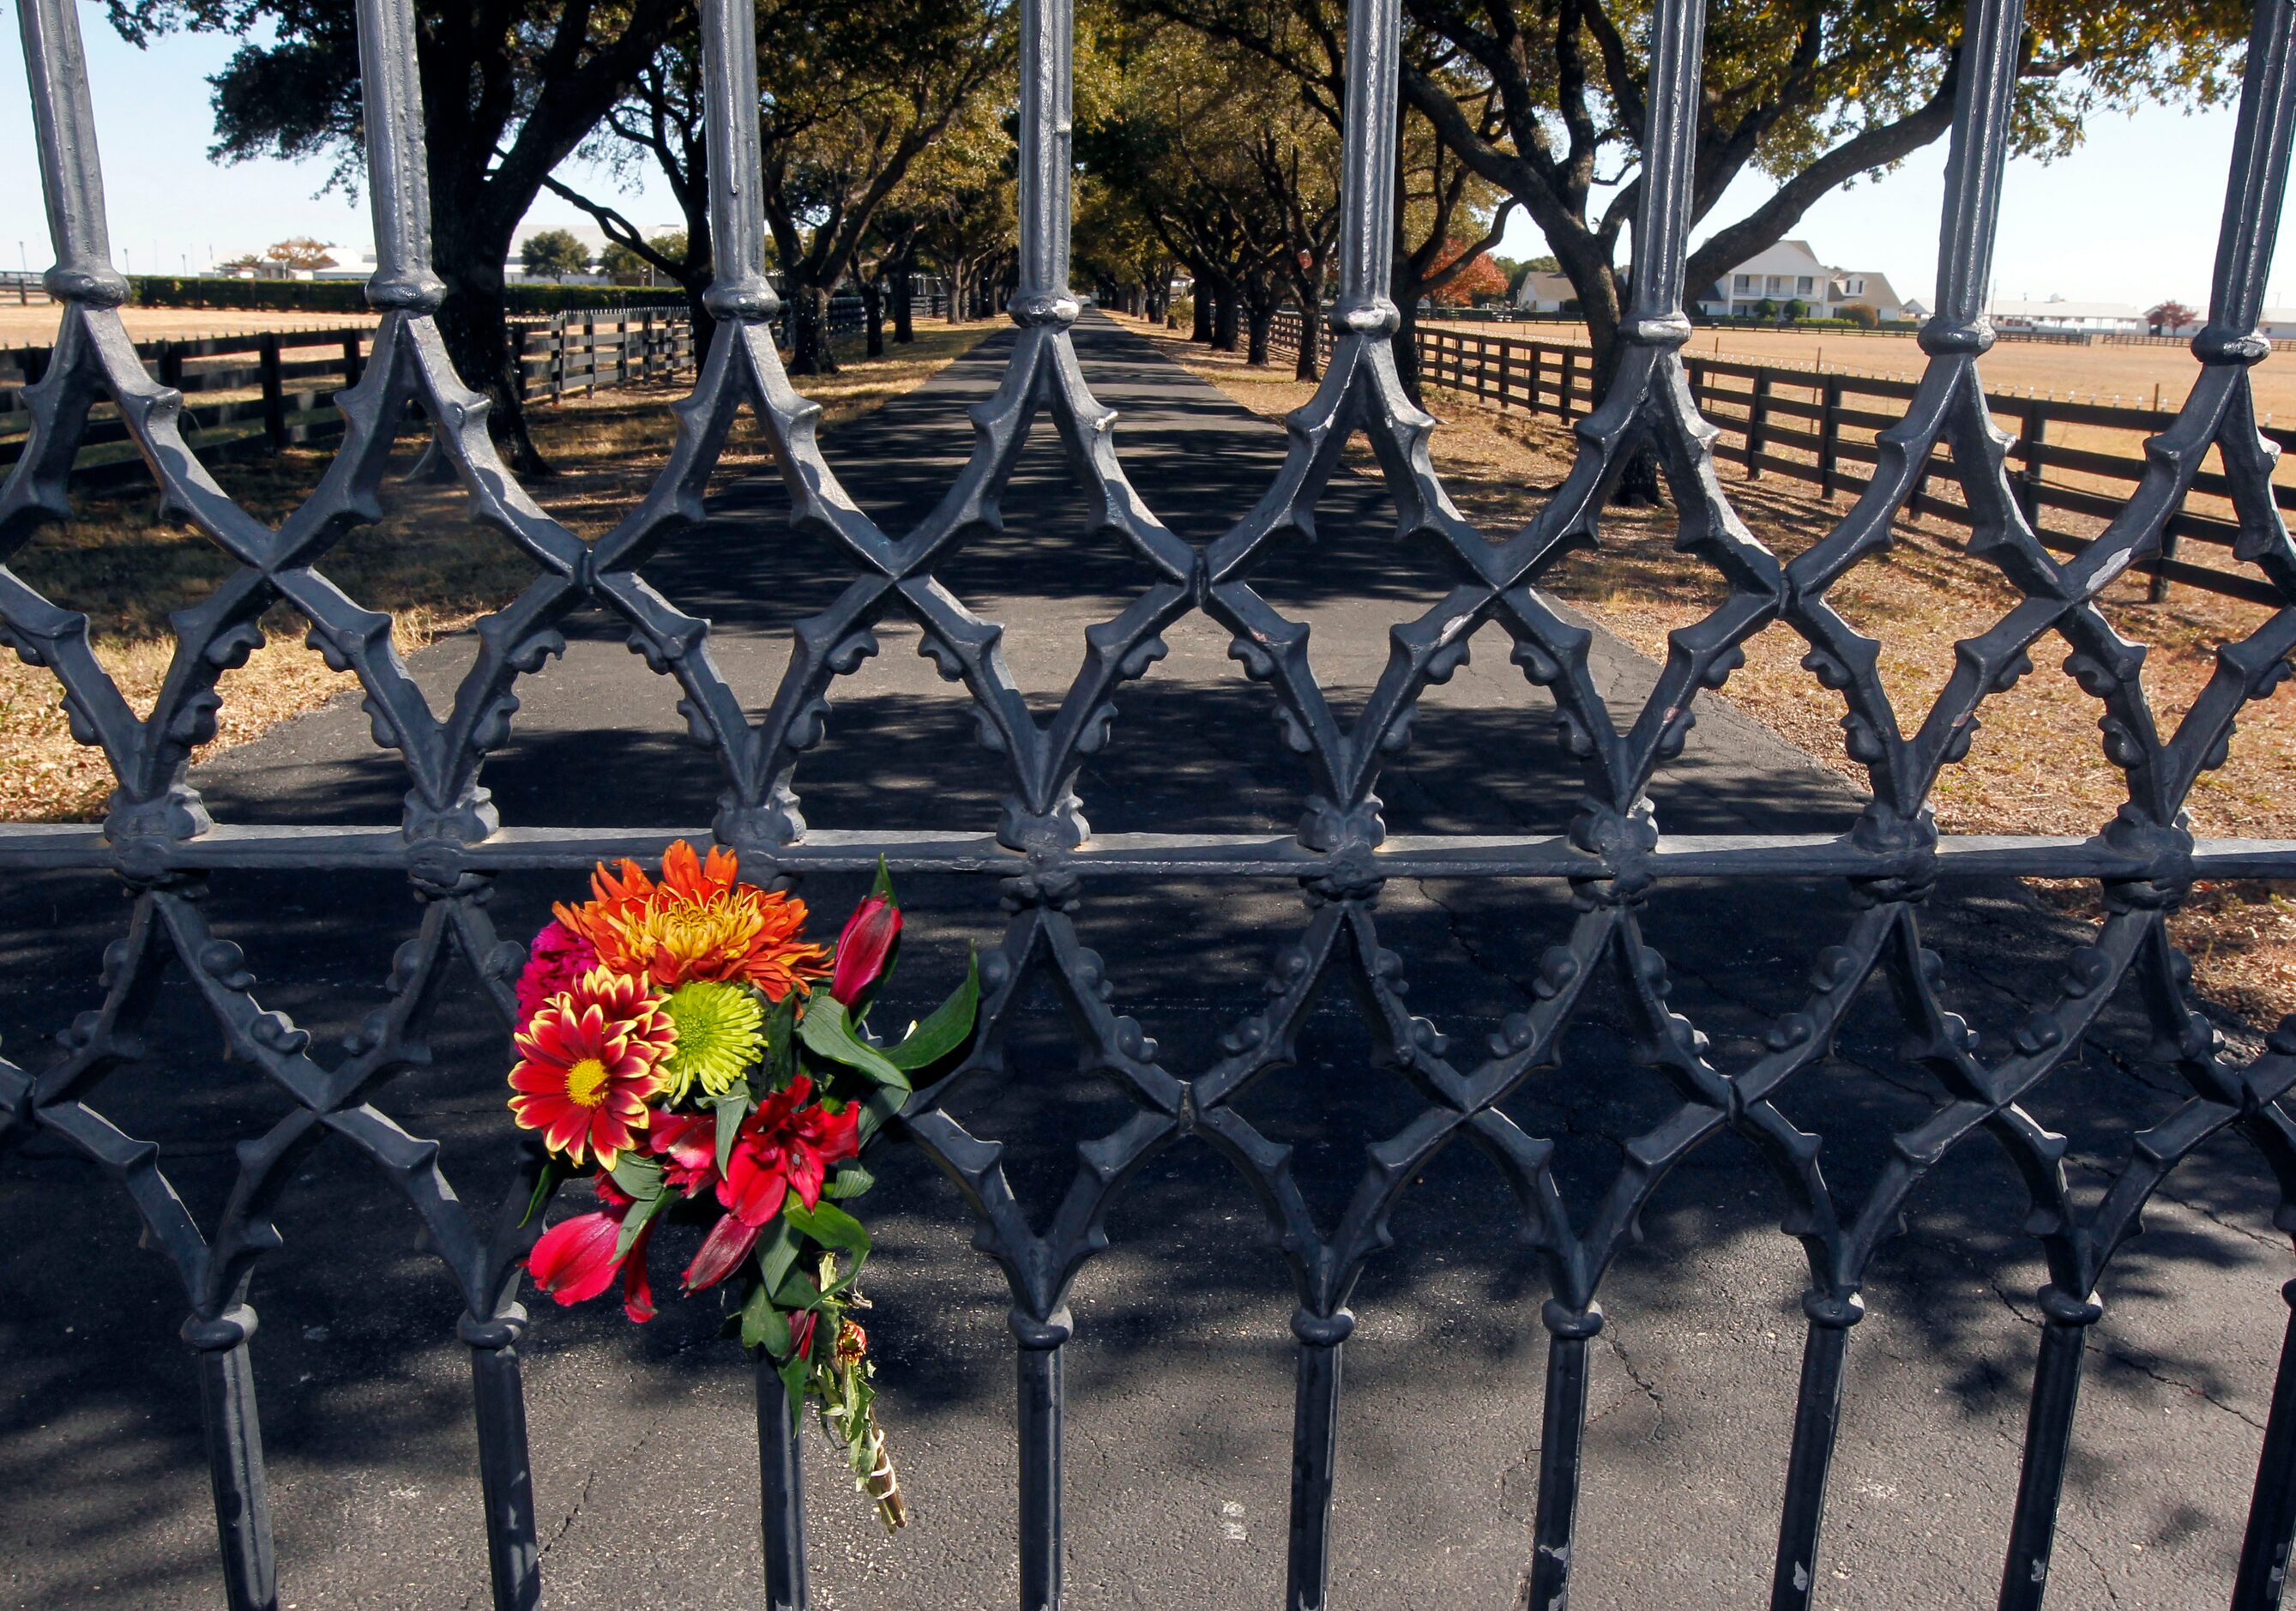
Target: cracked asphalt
(1180, 1376)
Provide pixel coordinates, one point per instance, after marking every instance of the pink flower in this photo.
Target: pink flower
(553, 962)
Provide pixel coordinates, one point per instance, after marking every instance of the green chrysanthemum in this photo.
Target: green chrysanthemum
(720, 1033)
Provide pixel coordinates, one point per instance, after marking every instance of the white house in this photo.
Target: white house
(1543, 293)
(1791, 272)
(1787, 272)
(2056, 314)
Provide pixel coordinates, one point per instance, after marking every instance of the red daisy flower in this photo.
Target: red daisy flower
(586, 1065)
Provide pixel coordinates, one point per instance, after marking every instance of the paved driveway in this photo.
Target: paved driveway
(1180, 1376)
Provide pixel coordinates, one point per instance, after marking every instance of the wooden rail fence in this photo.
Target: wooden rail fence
(1819, 428)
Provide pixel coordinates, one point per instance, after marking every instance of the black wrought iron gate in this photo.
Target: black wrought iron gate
(159, 840)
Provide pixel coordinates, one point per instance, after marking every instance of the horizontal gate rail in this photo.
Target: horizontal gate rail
(160, 839)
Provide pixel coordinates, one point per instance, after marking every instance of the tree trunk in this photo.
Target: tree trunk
(1225, 319)
(905, 298)
(956, 291)
(873, 310)
(476, 329)
(1200, 296)
(1307, 363)
(810, 348)
(1260, 314)
(1639, 484)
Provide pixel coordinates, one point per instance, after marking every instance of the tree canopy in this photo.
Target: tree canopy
(553, 254)
(510, 88)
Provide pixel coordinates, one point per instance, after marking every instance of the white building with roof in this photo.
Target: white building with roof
(1791, 272)
(2056, 314)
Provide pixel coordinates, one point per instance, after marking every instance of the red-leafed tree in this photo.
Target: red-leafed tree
(1477, 276)
(2169, 317)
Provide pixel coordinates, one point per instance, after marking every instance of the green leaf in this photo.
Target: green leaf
(640, 1178)
(763, 1326)
(634, 1222)
(884, 887)
(797, 1291)
(759, 1304)
(780, 1065)
(731, 1109)
(883, 1103)
(832, 1226)
(545, 1182)
(794, 1373)
(828, 1033)
(948, 1027)
(850, 1180)
(777, 1251)
(829, 1224)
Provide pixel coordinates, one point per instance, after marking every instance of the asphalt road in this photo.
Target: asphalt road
(1180, 1376)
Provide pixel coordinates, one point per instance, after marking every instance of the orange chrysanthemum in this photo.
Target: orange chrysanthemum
(586, 1067)
(700, 922)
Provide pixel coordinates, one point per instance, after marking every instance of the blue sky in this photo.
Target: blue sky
(2130, 217)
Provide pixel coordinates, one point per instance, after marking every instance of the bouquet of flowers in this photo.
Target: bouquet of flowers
(676, 1040)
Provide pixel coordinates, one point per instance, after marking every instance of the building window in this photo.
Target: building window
(1857, 288)
(1745, 282)
(1802, 285)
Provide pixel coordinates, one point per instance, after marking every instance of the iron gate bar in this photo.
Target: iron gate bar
(61, 846)
(158, 838)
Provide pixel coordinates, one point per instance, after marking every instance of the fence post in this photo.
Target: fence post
(351, 360)
(1506, 350)
(1758, 419)
(1570, 383)
(2029, 443)
(275, 397)
(1829, 435)
(590, 356)
(171, 366)
(2159, 591)
(557, 357)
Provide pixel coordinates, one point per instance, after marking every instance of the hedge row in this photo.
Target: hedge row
(350, 296)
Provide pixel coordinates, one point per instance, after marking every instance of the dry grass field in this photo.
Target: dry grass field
(115, 561)
(35, 326)
(2111, 375)
(2036, 766)
(2115, 376)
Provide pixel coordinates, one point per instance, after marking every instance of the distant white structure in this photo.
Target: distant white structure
(2056, 314)
(1544, 293)
(1787, 272)
(1791, 272)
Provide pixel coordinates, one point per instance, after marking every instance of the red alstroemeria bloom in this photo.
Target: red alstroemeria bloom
(637, 1289)
(574, 1259)
(687, 1146)
(864, 947)
(586, 1065)
(801, 1325)
(554, 962)
(786, 1146)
